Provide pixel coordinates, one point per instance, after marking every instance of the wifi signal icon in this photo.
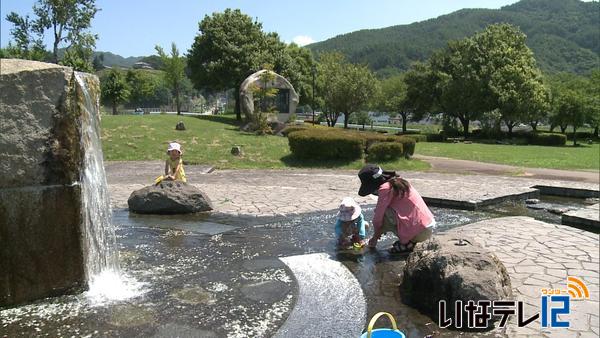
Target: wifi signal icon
(576, 288)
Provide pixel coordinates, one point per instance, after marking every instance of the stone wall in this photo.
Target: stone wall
(41, 251)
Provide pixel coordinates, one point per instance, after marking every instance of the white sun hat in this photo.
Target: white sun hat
(349, 210)
(174, 146)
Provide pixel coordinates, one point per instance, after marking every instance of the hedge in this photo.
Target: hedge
(581, 135)
(291, 129)
(325, 144)
(417, 137)
(436, 137)
(408, 142)
(548, 139)
(320, 137)
(385, 151)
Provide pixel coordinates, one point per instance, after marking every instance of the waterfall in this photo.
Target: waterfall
(105, 280)
(99, 234)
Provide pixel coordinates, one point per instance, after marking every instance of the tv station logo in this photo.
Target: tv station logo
(553, 302)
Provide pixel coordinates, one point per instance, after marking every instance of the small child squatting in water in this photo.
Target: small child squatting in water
(174, 164)
(350, 225)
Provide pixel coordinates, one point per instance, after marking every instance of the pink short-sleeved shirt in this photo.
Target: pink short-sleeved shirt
(412, 214)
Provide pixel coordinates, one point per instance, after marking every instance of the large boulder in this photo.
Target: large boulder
(41, 157)
(451, 268)
(169, 197)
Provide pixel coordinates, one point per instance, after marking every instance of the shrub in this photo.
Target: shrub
(408, 142)
(435, 137)
(581, 135)
(287, 130)
(417, 137)
(325, 144)
(409, 132)
(385, 151)
(548, 139)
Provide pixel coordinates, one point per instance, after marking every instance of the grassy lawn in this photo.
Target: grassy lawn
(568, 157)
(208, 140)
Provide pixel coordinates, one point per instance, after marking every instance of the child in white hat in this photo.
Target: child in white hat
(174, 164)
(350, 228)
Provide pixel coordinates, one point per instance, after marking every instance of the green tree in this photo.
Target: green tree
(421, 90)
(570, 105)
(574, 101)
(174, 67)
(98, 62)
(28, 39)
(592, 100)
(68, 21)
(362, 117)
(346, 88)
(230, 46)
(295, 64)
(508, 71)
(458, 88)
(227, 49)
(143, 88)
(394, 99)
(114, 89)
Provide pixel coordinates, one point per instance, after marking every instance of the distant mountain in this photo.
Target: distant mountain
(114, 60)
(563, 34)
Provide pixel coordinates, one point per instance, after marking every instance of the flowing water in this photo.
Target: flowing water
(213, 276)
(105, 280)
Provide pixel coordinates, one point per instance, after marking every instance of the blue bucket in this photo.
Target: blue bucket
(383, 333)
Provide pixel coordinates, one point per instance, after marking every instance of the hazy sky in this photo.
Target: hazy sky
(134, 27)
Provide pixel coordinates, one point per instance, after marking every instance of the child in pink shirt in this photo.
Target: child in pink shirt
(400, 208)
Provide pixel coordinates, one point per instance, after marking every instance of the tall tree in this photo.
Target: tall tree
(174, 67)
(226, 50)
(592, 100)
(295, 64)
(348, 87)
(69, 21)
(27, 38)
(421, 89)
(571, 105)
(509, 72)
(394, 99)
(458, 89)
(114, 89)
(230, 46)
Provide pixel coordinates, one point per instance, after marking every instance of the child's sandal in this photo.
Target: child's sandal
(398, 248)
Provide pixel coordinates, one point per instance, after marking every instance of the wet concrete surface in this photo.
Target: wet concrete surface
(227, 281)
(218, 275)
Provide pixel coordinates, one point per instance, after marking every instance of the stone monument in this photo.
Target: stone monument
(43, 150)
(286, 101)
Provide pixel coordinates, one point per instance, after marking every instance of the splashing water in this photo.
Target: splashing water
(102, 258)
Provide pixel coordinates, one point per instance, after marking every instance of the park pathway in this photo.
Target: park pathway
(454, 166)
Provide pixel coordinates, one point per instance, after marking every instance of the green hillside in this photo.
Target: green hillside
(113, 60)
(563, 34)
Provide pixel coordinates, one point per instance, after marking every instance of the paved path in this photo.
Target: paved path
(541, 255)
(295, 191)
(448, 165)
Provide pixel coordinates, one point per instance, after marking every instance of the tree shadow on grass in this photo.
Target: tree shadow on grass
(291, 161)
(225, 119)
